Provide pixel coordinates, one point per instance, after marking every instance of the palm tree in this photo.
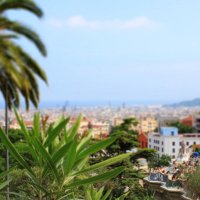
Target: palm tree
(18, 70)
(18, 65)
(21, 71)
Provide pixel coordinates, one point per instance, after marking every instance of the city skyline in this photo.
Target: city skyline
(119, 51)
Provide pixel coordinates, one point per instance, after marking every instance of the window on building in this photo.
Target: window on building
(173, 143)
(172, 133)
(173, 150)
(180, 143)
(149, 139)
(173, 157)
(149, 146)
(162, 143)
(187, 143)
(162, 150)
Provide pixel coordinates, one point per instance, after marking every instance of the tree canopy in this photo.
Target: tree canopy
(163, 161)
(127, 137)
(182, 128)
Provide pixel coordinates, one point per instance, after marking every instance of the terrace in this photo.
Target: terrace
(172, 182)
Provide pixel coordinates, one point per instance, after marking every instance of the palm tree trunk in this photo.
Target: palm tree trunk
(7, 152)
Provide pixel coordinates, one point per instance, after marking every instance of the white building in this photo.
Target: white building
(169, 142)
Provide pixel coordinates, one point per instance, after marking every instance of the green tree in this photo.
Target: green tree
(146, 153)
(182, 128)
(127, 137)
(163, 161)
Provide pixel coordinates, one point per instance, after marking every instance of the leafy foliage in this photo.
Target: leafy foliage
(17, 138)
(163, 161)
(95, 194)
(127, 137)
(182, 127)
(146, 153)
(193, 185)
(60, 159)
(128, 180)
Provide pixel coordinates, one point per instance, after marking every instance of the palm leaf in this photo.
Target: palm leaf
(23, 30)
(21, 4)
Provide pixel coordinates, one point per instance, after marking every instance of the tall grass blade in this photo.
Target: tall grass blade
(98, 178)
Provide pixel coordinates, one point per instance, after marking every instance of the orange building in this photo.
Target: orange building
(142, 139)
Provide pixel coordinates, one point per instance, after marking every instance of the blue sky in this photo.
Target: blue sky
(118, 50)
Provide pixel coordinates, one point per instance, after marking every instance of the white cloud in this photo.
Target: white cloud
(81, 22)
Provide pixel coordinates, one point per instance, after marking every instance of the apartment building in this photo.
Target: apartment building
(100, 129)
(148, 124)
(169, 142)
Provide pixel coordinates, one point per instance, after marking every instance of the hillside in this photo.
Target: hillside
(188, 103)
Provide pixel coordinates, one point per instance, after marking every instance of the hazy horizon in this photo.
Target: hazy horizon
(98, 103)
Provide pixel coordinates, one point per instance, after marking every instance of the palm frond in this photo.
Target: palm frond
(16, 27)
(20, 4)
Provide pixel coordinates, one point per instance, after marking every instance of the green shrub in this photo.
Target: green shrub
(60, 158)
(193, 185)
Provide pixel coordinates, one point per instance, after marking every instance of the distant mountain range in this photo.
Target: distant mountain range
(189, 103)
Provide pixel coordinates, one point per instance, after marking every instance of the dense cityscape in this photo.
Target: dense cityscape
(101, 119)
